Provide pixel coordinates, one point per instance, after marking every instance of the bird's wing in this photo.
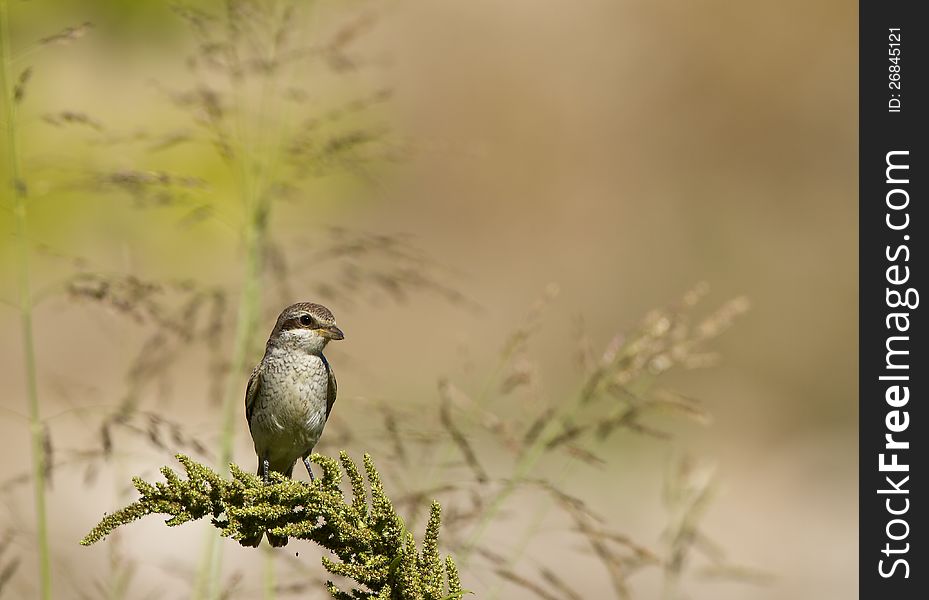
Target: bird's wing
(333, 388)
(251, 393)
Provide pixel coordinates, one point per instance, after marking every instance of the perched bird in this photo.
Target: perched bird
(291, 392)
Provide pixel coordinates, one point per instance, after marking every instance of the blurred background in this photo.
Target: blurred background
(430, 171)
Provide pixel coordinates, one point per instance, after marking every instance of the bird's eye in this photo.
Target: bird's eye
(306, 320)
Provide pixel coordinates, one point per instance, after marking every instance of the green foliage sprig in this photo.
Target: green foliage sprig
(368, 537)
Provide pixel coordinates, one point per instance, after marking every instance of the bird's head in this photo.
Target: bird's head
(305, 326)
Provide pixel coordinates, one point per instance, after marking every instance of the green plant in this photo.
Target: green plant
(374, 548)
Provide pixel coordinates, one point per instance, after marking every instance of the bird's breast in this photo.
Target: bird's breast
(290, 408)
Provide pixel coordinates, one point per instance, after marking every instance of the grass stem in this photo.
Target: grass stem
(269, 579)
(17, 189)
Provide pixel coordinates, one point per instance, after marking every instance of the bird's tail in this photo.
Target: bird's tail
(279, 541)
(276, 541)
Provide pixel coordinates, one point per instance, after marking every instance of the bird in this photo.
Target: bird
(290, 394)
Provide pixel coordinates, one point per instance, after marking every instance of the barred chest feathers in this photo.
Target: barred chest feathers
(290, 407)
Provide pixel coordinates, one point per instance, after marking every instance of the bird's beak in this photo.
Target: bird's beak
(332, 332)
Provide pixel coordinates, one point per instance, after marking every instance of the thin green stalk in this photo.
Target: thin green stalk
(252, 171)
(246, 321)
(269, 579)
(17, 189)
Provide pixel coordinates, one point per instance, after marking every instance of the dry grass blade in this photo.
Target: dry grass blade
(69, 117)
(231, 586)
(640, 552)
(527, 584)
(73, 457)
(150, 188)
(584, 349)
(721, 568)
(417, 497)
(539, 424)
(611, 561)
(445, 413)
(304, 587)
(19, 89)
(336, 50)
(522, 374)
(676, 403)
(688, 491)
(627, 417)
(570, 433)
(363, 265)
(160, 433)
(5, 541)
(179, 314)
(47, 448)
(723, 318)
(68, 34)
(393, 434)
(565, 499)
(9, 569)
(584, 455)
(560, 584)
(127, 295)
(490, 555)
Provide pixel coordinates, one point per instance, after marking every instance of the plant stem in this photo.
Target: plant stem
(252, 163)
(18, 190)
(256, 212)
(269, 573)
(246, 321)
